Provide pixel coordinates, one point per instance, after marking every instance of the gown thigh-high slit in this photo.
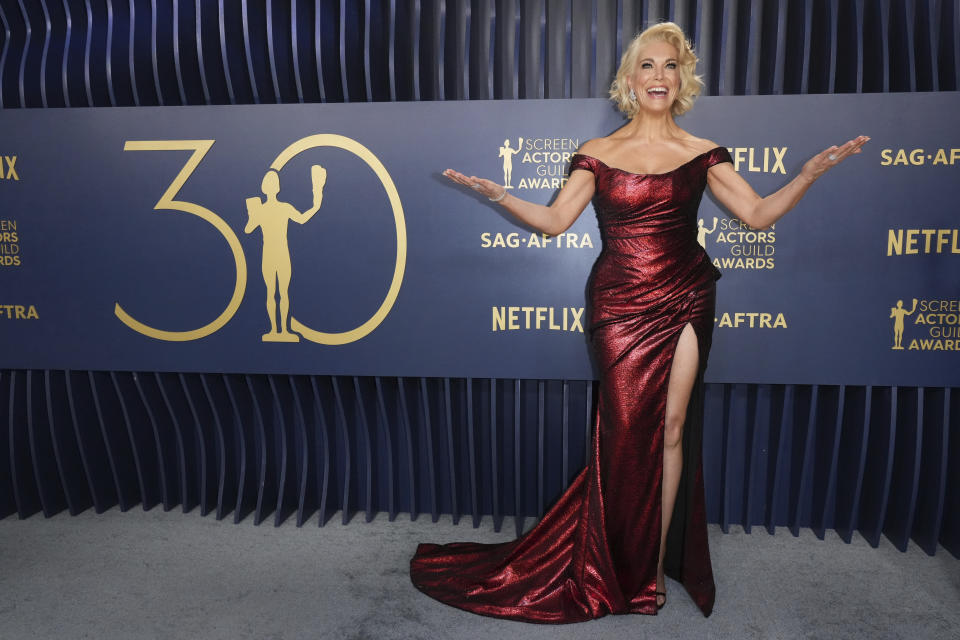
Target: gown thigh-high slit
(596, 550)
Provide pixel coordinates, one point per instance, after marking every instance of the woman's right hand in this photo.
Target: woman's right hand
(551, 219)
(488, 188)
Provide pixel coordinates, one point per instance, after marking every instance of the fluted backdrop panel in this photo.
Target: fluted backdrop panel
(59, 53)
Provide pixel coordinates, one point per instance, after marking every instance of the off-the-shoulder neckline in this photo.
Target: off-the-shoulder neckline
(665, 173)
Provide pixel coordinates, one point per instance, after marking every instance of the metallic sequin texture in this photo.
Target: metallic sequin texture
(595, 551)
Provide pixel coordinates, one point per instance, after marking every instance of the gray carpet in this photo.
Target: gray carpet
(173, 575)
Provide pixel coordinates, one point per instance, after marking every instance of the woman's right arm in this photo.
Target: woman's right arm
(552, 219)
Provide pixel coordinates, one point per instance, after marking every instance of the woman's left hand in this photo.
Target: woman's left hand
(818, 164)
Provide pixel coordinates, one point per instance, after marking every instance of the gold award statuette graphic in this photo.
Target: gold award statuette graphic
(898, 313)
(702, 231)
(352, 146)
(507, 152)
(271, 217)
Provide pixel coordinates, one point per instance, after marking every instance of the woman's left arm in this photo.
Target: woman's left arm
(741, 200)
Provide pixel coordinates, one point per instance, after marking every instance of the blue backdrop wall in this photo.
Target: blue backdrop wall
(873, 459)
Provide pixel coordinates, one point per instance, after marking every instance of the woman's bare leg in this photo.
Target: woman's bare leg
(683, 375)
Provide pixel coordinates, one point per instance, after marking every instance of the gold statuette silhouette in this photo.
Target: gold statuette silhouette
(272, 216)
(702, 231)
(507, 153)
(898, 313)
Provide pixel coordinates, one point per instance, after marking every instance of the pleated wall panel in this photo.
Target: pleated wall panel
(138, 52)
(875, 460)
(880, 461)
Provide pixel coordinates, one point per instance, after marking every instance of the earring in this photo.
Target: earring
(633, 96)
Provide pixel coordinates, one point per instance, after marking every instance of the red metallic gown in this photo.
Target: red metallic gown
(595, 551)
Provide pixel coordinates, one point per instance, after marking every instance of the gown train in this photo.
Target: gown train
(595, 551)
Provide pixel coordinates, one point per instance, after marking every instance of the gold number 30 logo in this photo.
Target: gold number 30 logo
(167, 203)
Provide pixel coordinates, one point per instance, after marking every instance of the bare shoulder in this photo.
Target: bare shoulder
(701, 145)
(594, 147)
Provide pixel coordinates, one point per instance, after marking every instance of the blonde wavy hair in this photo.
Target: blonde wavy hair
(690, 83)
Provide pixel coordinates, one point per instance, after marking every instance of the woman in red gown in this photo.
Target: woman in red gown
(636, 512)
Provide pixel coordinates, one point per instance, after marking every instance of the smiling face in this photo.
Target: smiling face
(656, 77)
(662, 59)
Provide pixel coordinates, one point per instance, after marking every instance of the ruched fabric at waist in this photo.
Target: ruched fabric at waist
(623, 285)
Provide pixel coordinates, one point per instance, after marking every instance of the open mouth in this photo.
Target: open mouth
(657, 92)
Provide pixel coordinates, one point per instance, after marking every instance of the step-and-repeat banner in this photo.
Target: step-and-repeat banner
(323, 239)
